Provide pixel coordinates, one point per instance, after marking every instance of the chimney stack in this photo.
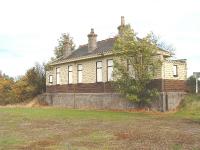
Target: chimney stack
(92, 41)
(122, 21)
(120, 28)
(67, 46)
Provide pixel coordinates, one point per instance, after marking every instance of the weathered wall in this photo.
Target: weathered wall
(106, 87)
(171, 100)
(88, 100)
(167, 101)
(167, 69)
(89, 71)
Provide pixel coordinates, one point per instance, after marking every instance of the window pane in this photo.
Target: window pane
(69, 68)
(175, 71)
(70, 77)
(79, 70)
(110, 72)
(57, 70)
(50, 79)
(110, 62)
(79, 76)
(80, 67)
(99, 75)
(99, 64)
(57, 78)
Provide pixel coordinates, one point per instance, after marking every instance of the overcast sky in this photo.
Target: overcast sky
(29, 29)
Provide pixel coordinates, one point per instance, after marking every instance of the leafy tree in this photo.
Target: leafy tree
(30, 85)
(35, 77)
(135, 66)
(59, 50)
(25, 87)
(6, 93)
(22, 90)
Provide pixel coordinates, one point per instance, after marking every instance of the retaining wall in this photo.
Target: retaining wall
(167, 101)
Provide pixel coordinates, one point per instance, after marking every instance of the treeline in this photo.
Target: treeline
(24, 87)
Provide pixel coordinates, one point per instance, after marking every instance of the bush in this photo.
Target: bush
(190, 103)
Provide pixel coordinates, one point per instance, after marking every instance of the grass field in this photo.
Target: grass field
(59, 128)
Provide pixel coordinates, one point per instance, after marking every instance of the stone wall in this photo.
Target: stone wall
(88, 100)
(167, 69)
(113, 101)
(89, 71)
(171, 100)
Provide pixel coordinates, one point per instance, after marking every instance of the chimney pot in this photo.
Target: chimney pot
(92, 41)
(122, 21)
(67, 46)
(122, 25)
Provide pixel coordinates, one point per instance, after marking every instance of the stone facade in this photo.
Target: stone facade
(169, 78)
(167, 69)
(89, 70)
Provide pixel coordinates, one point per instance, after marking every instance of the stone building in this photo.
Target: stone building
(80, 78)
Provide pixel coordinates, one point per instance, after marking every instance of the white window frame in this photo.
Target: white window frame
(99, 71)
(109, 70)
(70, 74)
(58, 75)
(50, 78)
(79, 73)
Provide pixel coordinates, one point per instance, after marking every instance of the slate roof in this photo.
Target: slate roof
(102, 47)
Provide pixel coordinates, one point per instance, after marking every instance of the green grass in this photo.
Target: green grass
(62, 113)
(190, 107)
(7, 141)
(21, 126)
(61, 128)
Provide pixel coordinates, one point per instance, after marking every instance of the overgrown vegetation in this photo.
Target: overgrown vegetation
(24, 88)
(135, 65)
(190, 107)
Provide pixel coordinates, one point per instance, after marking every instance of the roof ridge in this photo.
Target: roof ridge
(83, 45)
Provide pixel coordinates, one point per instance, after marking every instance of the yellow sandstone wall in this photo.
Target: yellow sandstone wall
(89, 71)
(167, 70)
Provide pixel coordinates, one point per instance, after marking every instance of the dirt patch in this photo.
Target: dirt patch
(40, 145)
(36, 103)
(122, 136)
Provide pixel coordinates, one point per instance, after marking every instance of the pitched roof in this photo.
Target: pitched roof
(102, 47)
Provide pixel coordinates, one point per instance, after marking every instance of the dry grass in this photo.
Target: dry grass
(58, 128)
